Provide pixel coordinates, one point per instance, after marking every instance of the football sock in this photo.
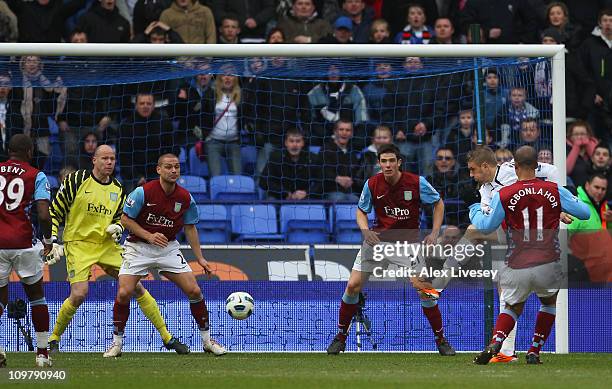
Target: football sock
(505, 323)
(508, 345)
(200, 314)
(348, 307)
(121, 313)
(543, 326)
(64, 316)
(40, 319)
(433, 315)
(149, 307)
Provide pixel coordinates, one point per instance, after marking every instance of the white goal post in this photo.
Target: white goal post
(555, 52)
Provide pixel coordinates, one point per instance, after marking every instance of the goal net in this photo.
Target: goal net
(275, 144)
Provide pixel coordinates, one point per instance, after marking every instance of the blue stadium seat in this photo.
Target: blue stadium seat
(346, 230)
(314, 149)
(232, 188)
(196, 186)
(304, 223)
(255, 223)
(248, 155)
(197, 167)
(183, 161)
(214, 225)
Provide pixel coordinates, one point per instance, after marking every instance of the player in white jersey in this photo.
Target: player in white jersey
(484, 169)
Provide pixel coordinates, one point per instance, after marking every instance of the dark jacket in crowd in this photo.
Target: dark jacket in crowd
(515, 18)
(337, 162)
(104, 26)
(13, 122)
(261, 10)
(43, 23)
(147, 11)
(283, 175)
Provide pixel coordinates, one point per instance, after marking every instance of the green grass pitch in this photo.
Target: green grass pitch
(293, 370)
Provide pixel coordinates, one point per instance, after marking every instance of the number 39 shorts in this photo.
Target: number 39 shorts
(140, 258)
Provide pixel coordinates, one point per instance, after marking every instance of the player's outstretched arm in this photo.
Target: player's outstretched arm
(572, 205)
(488, 223)
(191, 233)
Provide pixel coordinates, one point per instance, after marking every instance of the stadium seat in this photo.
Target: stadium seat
(232, 188)
(248, 155)
(196, 186)
(183, 161)
(255, 223)
(197, 167)
(214, 225)
(346, 230)
(304, 223)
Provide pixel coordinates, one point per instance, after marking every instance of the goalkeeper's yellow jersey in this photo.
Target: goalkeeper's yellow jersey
(86, 207)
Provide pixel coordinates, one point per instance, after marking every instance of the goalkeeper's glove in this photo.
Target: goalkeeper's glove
(57, 251)
(115, 231)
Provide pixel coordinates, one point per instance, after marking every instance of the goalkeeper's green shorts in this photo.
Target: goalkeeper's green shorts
(81, 256)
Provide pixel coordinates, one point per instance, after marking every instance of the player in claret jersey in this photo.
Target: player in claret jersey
(396, 198)
(20, 186)
(531, 209)
(154, 214)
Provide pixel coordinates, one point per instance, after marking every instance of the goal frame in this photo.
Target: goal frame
(555, 52)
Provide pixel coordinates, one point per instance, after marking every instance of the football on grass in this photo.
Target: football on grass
(239, 305)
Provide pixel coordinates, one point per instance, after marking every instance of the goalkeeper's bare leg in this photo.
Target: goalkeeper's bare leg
(429, 303)
(348, 308)
(78, 294)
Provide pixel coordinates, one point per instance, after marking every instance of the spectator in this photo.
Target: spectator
(11, 122)
(415, 127)
(147, 12)
(88, 146)
(580, 145)
(361, 17)
(381, 94)
(496, 98)
(9, 31)
(381, 135)
(503, 21)
(445, 179)
(545, 155)
(334, 100)
(488, 140)
(145, 135)
(276, 35)
(224, 138)
(379, 33)
(193, 21)
(596, 56)
(557, 18)
(64, 172)
(253, 17)
(503, 155)
(229, 29)
(302, 24)
(194, 104)
(460, 139)
(103, 24)
(444, 32)
(593, 193)
(158, 33)
(518, 110)
(292, 173)
(600, 163)
(40, 106)
(395, 11)
(530, 133)
(590, 241)
(415, 32)
(340, 163)
(343, 32)
(43, 20)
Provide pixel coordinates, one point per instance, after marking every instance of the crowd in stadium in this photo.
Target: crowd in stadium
(315, 140)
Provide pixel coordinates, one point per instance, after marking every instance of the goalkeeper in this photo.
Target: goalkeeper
(90, 204)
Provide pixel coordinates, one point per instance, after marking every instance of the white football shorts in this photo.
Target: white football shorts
(140, 258)
(27, 263)
(517, 284)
